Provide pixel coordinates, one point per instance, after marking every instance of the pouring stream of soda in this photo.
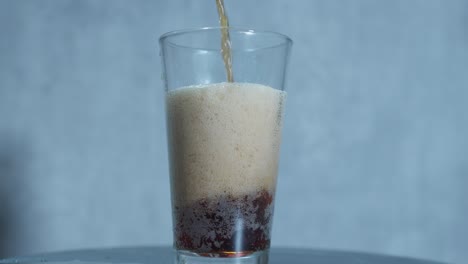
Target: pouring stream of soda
(225, 39)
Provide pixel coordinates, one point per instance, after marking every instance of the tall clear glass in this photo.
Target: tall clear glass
(223, 141)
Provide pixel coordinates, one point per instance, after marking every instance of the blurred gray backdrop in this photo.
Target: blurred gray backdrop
(374, 156)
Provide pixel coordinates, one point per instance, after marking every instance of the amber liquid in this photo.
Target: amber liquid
(225, 39)
(223, 167)
(225, 226)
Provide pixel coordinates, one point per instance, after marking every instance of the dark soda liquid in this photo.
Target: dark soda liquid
(225, 225)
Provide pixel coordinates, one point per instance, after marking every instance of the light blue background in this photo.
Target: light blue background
(374, 156)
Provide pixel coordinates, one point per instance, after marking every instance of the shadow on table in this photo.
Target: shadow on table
(11, 156)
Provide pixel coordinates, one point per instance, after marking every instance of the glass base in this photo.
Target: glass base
(187, 257)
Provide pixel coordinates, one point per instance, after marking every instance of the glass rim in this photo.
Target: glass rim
(285, 40)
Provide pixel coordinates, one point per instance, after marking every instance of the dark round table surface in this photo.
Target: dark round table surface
(164, 255)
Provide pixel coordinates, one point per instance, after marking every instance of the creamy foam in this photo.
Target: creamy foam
(223, 139)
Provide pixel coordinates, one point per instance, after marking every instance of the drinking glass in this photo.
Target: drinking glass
(223, 141)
